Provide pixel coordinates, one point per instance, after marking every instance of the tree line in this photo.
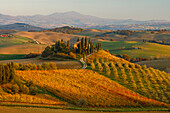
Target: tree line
(6, 73)
(83, 47)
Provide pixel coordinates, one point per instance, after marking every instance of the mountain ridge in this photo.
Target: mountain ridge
(70, 18)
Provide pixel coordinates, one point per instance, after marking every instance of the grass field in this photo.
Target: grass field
(47, 37)
(19, 45)
(163, 65)
(149, 50)
(11, 56)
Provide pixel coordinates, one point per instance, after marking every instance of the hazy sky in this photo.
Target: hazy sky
(115, 9)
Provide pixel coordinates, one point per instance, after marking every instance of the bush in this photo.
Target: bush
(15, 88)
(82, 103)
(52, 66)
(24, 89)
(33, 90)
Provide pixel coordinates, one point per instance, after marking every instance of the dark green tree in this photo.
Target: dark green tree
(47, 52)
(68, 44)
(78, 39)
(86, 42)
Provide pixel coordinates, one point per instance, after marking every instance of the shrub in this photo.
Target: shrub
(92, 66)
(33, 90)
(24, 89)
(52, 66)
(82, 103)
(15, 88)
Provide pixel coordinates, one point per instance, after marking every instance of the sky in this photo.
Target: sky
(113, 9)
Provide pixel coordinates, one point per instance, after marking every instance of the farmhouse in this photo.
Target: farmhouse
(3, 35)
(76, 44)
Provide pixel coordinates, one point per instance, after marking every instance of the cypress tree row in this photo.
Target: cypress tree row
(6, 73)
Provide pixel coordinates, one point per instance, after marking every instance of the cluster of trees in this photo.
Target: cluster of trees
(146, 81)
(43, 66)
(65, 29)
(32, 55)
(157, 41)
(127, 57)
(20, 87)
(125, 32)
(83, 47)
(6, 73)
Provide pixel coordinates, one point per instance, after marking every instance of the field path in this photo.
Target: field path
(83, 62)
(4, 109)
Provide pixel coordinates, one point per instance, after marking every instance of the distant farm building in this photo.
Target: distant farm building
(3, 35)
(76, 44)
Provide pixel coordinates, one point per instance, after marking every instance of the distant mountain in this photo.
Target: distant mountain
(20, 26)
(67, 19)
(145, 26)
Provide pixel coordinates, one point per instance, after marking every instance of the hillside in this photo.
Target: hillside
(47, 37)
(128, 35)
(163, 65)
(149, 82)
(65, 29)
(20, 27)
(148, 50)
(134, 26)
(75, 85)
(106, 56)
(19, 45)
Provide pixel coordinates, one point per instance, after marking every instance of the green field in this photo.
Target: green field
(149, 50)
(18, 45)
(11, 56)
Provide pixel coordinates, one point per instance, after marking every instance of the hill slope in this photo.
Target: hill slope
(74, 85)
(151, 83)
(20, 26)
(47, 37)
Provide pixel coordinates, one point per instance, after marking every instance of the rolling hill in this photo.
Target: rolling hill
(48, 37)
(19, 45)
(75, 85)
(20, 27)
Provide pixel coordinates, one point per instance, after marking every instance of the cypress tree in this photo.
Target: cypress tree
(62, 40)
(82, 43)
(59, 44)
(78, 39)
(79, 48)
(88, 49)
(7, 73)
(1, 75)
(68, 44)
(56, 45)
(86, 42)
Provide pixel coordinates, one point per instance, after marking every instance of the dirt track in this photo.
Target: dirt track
(43, 110)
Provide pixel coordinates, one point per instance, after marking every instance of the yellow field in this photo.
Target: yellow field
(73, 85)
(22, 49)
(23, 98)
(46, 37)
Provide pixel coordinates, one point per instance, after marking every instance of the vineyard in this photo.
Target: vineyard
(76, 86)
(149, 82)
(31, 99)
